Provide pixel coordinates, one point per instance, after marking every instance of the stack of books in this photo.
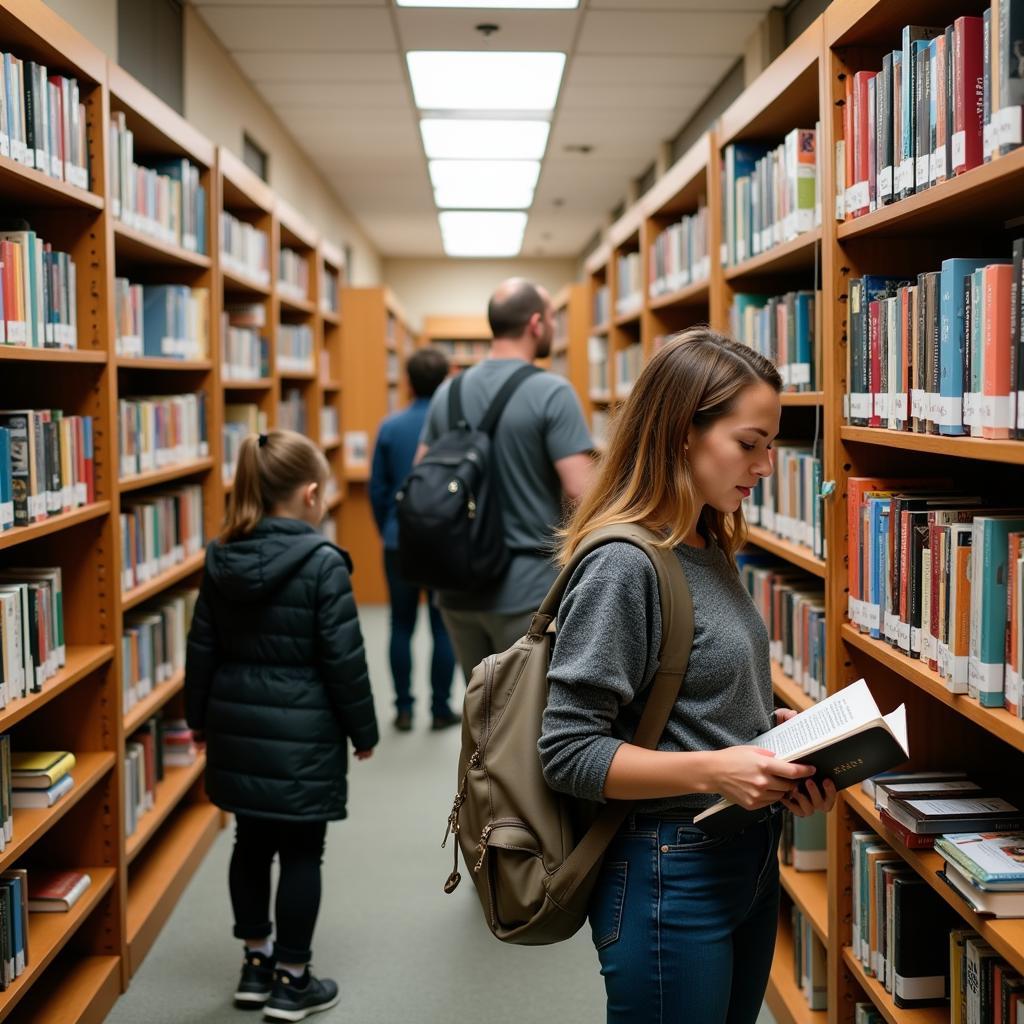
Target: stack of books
(40, 779)
(330, 282)
(55, 892)
(983, 986)
(291, 411)
(986, 869)
(629, 361)
(179, 749)
(803, 842)
(629, 284)
(602, 306)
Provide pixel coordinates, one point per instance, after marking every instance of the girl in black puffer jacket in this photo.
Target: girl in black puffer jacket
(276, 684)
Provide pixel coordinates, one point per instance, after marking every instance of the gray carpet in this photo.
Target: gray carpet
(402, 951)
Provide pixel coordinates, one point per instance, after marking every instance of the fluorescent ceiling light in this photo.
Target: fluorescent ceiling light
(484, 184)
(546, 5)
(456, 139)
(481, 233)
(485, 80)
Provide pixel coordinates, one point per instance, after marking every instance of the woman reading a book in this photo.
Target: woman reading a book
(684, 922)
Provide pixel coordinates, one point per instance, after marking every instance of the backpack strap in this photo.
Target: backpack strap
(673, 657)
(456, 415)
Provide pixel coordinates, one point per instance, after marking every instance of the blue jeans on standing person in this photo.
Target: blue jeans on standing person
(405, 600)
(685, 924)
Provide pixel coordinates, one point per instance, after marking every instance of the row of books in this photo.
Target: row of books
(680, 255)
(43, 122)
(245, 354)
(930, 574)
(792, 604)
(597, 360)
(330, 294)
(810, 961)
(164, 200)
(158, 745)
(32, 647)
(291, 411)
(244, 249)
(599, 422)
(785, 329)
(46, 465)
(295, 348)
(159, 532)
(330, 423)
(36, 779)
(946, 101)
(240, 421)
(986, 869)
(789, 503)
(162, 430)
(629, 361)
(292, 274)
(629, 284)
(394, 366)
(602, 306)
(802, 845)
(38, 293)
(169, 321)
(462, 350)
(771, 194)
(942, 355)
(153, 644)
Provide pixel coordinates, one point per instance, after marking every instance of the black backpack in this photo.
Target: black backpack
(450, 531)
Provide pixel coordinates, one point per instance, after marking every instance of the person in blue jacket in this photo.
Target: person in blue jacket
(392, 459)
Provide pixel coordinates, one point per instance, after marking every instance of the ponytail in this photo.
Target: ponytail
(270, 468)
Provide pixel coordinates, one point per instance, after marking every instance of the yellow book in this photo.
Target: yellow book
(40, 769)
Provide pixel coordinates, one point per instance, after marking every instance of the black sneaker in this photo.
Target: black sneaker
(445, 721)
(297, 998)
(403, 721)
(256, 981)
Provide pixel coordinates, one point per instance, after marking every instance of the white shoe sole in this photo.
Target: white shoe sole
(252, 998)
(272, 1013)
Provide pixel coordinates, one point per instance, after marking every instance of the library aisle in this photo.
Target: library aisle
(398, 947)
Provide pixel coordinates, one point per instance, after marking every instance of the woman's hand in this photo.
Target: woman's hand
(816, 799)
(784, 715)
(364, 755)
(753, 777)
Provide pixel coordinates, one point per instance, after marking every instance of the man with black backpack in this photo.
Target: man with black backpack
(502, 444)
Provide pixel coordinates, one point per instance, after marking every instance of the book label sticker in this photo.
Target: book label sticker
(1006, 127)
(947, 410)
(901, 406)
(922, 174)
(858, 197)
(6, 514)
(995, 412)
(986, 141)
(908, 173)
(938, 164)
(860, 406)
(959, 150)
(915, 639)
(919, 403)
(872, 616)
(903, 636)
(800, 373)
(1020, 410)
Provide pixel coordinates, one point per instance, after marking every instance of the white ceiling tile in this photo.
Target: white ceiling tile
(405, 236)
(301, 28)
(456, 29)
(653, 32)
(273, 66)
(610, 69)
(683, 5)
(206, 4)
(629, 98)
(286, 96)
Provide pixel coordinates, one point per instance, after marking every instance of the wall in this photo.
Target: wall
(439, 287)
(95, 19)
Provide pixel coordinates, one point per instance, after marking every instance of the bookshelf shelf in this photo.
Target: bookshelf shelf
(158, 363)
(48, 934)
(22, 534)
(960, 447)
(630, 319)
(330, 318)
(1007, 936)
(883, 1000)
(239, 284)
(601, 328)
(796, 254)
(330, 443)
(809, 891)
(163, 476)
(248, 385)
(357, 474)
(135, 596)
(784, 997)
(139, 247)
(80, 661)
(304, 375)
(692, 295)
(802, 398)
(139, 713)
(330, 385)
(161, 874)
(32, 822)
(290, 304)
(22, 353)
(169, 792)
(32, 187)
(997, 721)
(786, 688)
(82, 992)
(795, 553)
(601, 398)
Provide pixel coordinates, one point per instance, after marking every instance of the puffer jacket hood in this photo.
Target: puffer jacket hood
(251, 569)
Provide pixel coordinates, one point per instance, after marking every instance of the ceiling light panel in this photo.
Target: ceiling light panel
(485, 80)
(458, 139)
(532, 5)
(484, 184)
(481, 233)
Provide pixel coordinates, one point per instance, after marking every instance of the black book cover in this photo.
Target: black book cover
(51, 432)
(883, 129)
(920, 955)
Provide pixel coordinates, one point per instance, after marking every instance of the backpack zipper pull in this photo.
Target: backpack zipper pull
(482, 846)
(460, 799)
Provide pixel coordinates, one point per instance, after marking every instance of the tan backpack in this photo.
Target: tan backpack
(534, 855)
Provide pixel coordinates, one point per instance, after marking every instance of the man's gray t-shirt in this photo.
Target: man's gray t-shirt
(541, 424)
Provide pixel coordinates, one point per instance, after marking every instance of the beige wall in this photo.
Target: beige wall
(439, 287)
(95, 19)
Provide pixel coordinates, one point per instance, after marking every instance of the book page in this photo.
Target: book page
(843, 712)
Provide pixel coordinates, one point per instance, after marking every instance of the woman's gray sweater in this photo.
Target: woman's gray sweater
(606, 654)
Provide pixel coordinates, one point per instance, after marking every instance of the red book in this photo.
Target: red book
(911, 840)
(55, 890)
(968, 93)
(995, 404)
(850, 136)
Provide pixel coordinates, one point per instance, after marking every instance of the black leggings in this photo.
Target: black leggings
(300, 847)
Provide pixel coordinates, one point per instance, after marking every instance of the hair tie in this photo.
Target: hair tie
(263, 440)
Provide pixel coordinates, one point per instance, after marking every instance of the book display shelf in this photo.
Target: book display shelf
(463, 339)
(377, 341)
(140, 858)
(973, 214)
(569, 346)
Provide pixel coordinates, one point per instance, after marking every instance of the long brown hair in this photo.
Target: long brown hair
(644, 477)
(271, 467)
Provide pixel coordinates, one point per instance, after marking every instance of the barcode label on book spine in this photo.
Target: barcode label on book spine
(959, 150)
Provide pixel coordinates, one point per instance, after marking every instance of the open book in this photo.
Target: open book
(845, 737)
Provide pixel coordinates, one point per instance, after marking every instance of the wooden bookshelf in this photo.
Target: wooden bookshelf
(797, 554)
(787, 690)
(784, 996)
(569, 348)
(149, 705)
(137, 595)
(884, 1002)
(809, 891)
(169, 792)
(22, 534)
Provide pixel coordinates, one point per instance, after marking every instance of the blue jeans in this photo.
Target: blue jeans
(685, 924)
(405, 600)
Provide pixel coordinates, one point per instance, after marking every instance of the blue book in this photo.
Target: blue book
(951, 341)
(804, 337)
(878, 521)
(18, 898)
(163, 319)
(201, 220)
(6, 481)
(914, 40)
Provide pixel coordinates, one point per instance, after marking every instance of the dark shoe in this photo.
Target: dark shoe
(403, 721)
(445, 721)
(256, 981)
(298, 998)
